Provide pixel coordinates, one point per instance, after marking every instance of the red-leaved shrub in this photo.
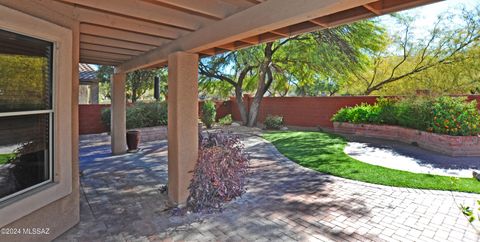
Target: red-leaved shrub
(219, 175)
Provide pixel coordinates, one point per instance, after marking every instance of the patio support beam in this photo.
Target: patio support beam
(247, 23)
(182, 123)
(118, 114)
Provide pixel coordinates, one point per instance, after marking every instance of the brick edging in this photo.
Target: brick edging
(445, 144)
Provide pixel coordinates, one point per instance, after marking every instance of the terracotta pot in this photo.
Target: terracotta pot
(133, 139)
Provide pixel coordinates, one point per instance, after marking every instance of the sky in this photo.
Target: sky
(426, 16)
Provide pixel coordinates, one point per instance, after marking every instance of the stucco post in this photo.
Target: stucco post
(182, 123)
(118, 114)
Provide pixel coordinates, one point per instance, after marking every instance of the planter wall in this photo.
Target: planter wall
(445, 144)
(152, 133)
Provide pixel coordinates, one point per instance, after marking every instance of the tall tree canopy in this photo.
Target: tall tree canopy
(441, 60)
(301, 62)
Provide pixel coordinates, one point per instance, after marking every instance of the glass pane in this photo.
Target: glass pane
(25, 73)
(24, 152)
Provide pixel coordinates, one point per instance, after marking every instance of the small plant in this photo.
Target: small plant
(273, 122)
(208, 113)
(226, 120)
(219, 174)
(470, 213)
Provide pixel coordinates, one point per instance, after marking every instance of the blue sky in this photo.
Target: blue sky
(426, 16)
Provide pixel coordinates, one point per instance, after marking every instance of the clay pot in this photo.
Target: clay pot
(133, 139)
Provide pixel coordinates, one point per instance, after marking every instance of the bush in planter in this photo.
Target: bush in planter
(273, 122)
(141, 115)
(219, 175)
(443, 115)
(362, 113)
(415, 113)
(226, 120)
(455, 116)
(209, 111)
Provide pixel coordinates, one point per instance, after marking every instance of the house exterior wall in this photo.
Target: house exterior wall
(54, 207)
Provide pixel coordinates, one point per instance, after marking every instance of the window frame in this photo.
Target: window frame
(50, 113)
(61, 184)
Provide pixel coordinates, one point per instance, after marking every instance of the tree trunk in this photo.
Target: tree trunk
(261, 89)
(264, 82)
(241, 105)
(134, 95)
(253, 113)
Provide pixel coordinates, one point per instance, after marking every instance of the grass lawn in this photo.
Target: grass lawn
(4, 158)
(324, 153)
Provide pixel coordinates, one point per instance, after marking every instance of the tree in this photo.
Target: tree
(137, 83)
(408, 57)
(459, 77)
(300, 60)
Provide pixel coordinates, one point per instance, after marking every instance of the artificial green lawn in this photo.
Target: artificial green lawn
(324, 153)
(4, 158)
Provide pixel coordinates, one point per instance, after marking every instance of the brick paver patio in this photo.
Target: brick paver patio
(122, 200)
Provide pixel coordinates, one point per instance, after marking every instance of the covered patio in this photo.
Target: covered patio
(139, 34)
(284, 201)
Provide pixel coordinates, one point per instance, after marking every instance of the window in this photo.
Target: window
(26, 113)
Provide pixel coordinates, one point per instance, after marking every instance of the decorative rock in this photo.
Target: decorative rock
(284, 128)
(476, 175)
(235, 124)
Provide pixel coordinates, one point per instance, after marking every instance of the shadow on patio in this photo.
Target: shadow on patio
(122, 200)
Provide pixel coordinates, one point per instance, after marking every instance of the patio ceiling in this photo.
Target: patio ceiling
(135, 34)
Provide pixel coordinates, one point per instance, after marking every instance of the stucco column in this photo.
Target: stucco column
(118, 115)
(182, 123)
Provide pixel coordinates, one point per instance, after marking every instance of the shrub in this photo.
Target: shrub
(208, 113)
(141, 115)
(226, 120)
(219, 175)
(362, 113)
(273, 122)
(414, 113)
(455, 116)
(444, 115)
(386, 112)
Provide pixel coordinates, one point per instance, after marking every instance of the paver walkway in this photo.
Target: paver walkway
(284, 202)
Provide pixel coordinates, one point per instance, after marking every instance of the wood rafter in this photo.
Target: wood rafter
(85, 38)
(121, 34)
(374, 8)
(108, 49)
(212, 8)
(147, 11)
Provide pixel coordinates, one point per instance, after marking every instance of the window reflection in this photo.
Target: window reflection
(25, 113)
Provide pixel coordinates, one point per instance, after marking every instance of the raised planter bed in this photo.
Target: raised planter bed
(445, 144)
(152, 133)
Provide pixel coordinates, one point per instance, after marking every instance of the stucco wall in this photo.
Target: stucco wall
(58, 215)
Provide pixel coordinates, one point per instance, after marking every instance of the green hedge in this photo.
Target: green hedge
(209, 111)
(443, 115)
(142, 115)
